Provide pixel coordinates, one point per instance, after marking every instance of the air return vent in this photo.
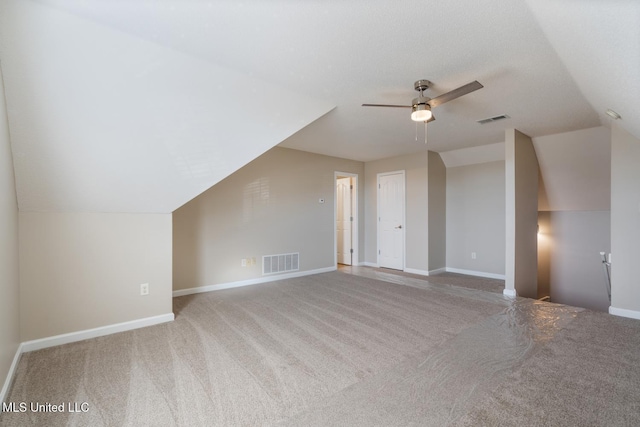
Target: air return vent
(280, 263)
(492, 119)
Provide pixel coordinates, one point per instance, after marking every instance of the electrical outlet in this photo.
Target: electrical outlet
(243, 262)
(473, 255)
(144, 289)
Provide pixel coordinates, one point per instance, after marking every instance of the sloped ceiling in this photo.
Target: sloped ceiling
(102, 121)
(140, 105)
(599, 43)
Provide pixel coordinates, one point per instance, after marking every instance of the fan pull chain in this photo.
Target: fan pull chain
(425, 133)
(416, 131)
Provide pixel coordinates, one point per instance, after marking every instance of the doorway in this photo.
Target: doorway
(391, 220)
(346, 218)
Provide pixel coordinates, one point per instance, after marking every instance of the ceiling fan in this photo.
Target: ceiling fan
(422, 105)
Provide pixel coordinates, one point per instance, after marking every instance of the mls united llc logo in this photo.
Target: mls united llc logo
(68, 407)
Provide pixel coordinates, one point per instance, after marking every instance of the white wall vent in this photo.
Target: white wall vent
(493, 119)
(280, 263)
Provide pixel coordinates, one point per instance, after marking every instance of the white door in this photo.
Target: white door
(391, 220)
(344, 220)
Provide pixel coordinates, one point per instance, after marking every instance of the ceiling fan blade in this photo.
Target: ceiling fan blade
(456, 93)
(386, 105)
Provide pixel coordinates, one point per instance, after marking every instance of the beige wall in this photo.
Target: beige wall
(417, 232)
(271, 206)
(521, 216)
(9, 279)
(625, 220)
(83, 270)
(437, 212)
(476, 217)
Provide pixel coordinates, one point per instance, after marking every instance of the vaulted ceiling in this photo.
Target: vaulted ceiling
(139, 106)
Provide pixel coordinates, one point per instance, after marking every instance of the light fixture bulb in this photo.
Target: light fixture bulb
(421, 113)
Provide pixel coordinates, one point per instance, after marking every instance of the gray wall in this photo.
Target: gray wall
(575, 169)
(81, 271)
(625, 220)
(417, 202)
(570, 243)
(9, 280)
(476, 217)
(270, 206)
(521, 216)
(437, 212)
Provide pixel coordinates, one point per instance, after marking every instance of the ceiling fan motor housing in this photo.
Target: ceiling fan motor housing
(421, 100)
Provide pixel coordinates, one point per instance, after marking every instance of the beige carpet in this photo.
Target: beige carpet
(338, 349)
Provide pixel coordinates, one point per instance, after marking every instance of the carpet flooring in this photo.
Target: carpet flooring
(345, 350)
(442, 279)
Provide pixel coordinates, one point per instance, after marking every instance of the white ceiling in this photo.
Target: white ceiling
(98, 79)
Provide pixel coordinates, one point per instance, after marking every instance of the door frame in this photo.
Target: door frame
(354, 212)
(404, 216)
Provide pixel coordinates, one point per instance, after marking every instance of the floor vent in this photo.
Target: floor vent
(492, 119)
(280, 263)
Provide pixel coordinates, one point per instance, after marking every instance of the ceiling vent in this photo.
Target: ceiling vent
(492, 119)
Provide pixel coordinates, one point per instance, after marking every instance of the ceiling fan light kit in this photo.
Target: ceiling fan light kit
(421, 111)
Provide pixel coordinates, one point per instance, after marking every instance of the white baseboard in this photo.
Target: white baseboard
(39, 344)
(416, 271)
(623, 312)
(437, 271)
(249, 282)
(370, 264)
(476, 273)
(10, 374)
(94, 333)
(510, 293)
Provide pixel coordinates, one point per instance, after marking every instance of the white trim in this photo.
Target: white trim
(623, 312)
(476, 273)
(437, 271)
(11, 373)
(511, 293)
(94, 333)
(371, 264)
(249, 282)
(355, 240)
(415, 271)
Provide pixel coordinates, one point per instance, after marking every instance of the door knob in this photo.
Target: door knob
(398, 227)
